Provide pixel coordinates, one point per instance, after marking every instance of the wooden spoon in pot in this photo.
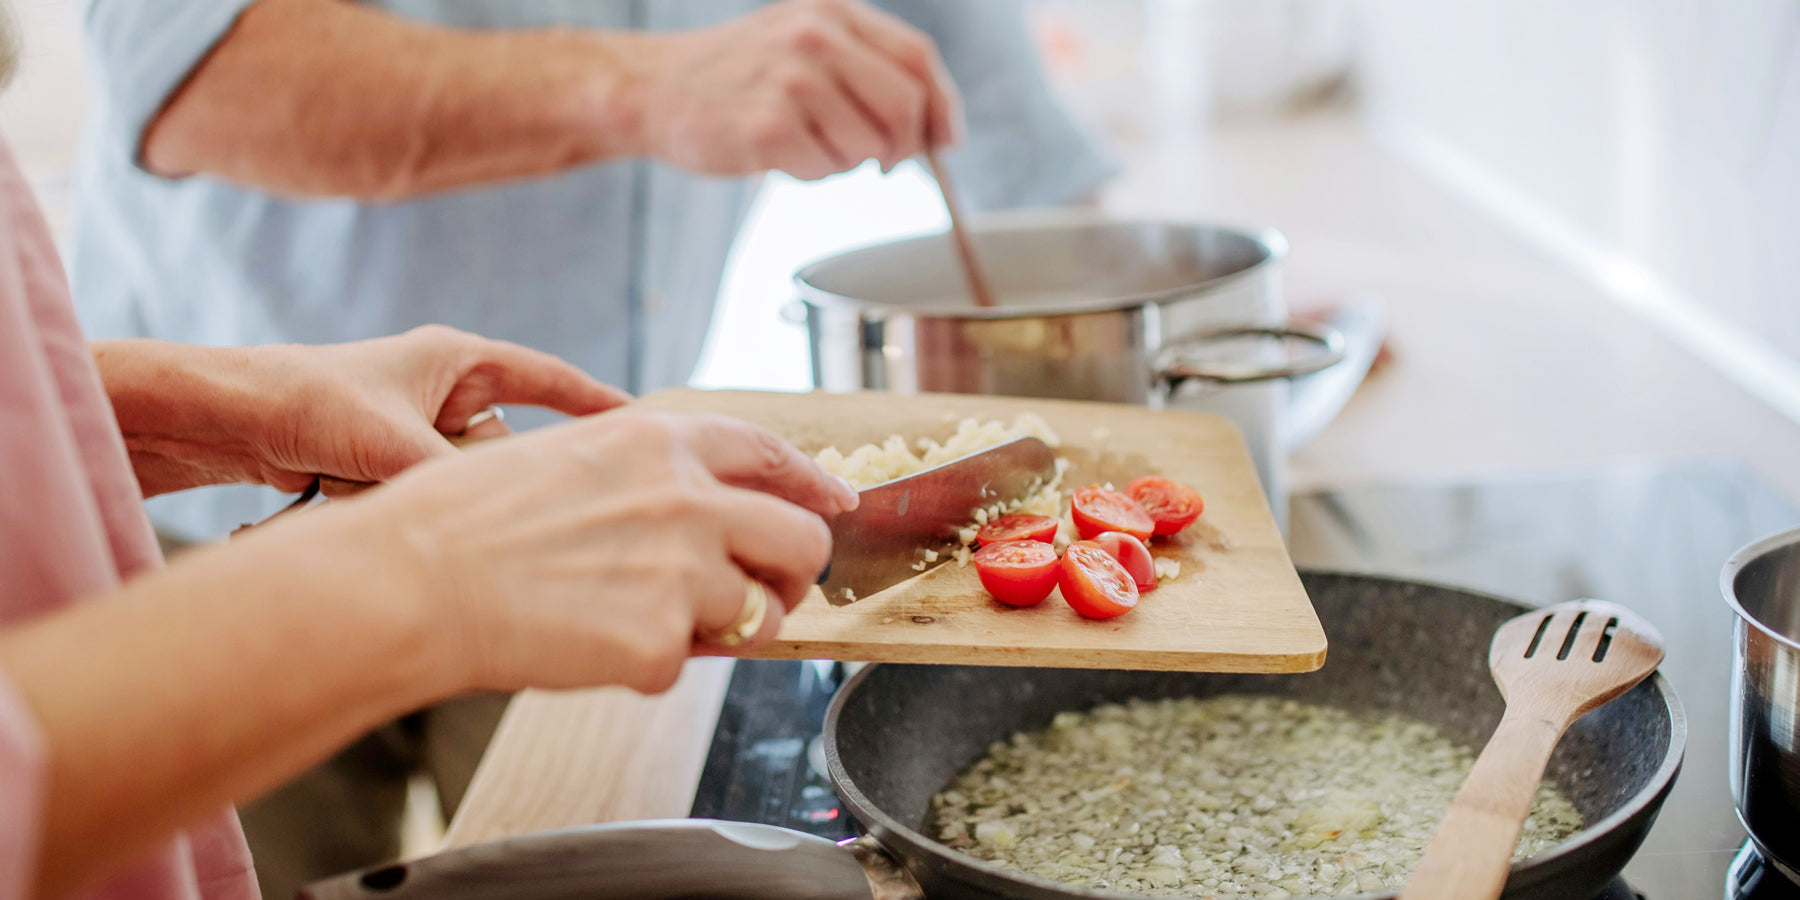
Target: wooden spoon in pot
(1553, 665)
(965, 248)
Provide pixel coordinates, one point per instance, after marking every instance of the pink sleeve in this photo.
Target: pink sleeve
(21, 793)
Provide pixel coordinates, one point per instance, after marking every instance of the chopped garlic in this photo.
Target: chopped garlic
(1167, 567)
(1273, 797)
(994, 834)
(873, 464)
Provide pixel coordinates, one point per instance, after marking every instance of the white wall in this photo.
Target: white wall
(1655, 140)
(40, 113)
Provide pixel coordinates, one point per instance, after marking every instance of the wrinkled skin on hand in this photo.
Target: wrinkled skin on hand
(809, 87)
(281, 415)
(592, 552)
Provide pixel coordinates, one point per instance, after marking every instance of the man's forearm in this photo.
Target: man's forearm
(327, 98)
(216, 680)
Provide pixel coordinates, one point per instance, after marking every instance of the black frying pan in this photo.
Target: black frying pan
(897, 734)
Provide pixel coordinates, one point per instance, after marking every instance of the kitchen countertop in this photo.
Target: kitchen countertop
(1503, 363)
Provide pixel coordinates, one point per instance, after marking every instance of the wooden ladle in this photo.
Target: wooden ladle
(979, 288)
(1553, 665)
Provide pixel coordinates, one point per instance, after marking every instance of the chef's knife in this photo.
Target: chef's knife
(880, 543)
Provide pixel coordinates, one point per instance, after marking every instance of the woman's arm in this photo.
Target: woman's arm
(332, 98)
(584, 554)
(215, 680)
(280, 415)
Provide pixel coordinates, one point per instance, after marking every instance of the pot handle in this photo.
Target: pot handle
(1172, 370)
(793, 312)
(663, 859)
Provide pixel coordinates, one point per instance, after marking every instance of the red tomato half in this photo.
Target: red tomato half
(1094, 583)
(1098, 510)
(1131, 553)
(1172, 505)
(1017, 573)
(1017, 527)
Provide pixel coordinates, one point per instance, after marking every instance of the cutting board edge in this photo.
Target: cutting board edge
(1291, 663)
(960, 399)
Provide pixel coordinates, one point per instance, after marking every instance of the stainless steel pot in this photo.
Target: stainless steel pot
(1128, 312)
(1762, 584)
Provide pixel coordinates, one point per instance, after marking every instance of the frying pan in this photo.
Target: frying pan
(896, 734)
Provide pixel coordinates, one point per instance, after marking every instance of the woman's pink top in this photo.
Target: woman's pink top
(72, 525)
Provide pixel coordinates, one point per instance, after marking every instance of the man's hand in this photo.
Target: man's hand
(329, 98)
(810, 87)
(362, 411)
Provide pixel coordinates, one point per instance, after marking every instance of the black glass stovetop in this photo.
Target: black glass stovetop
(1652, 537)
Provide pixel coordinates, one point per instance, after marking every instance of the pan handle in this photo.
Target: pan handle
(888, 879)
(661, 859)
(1173, 368)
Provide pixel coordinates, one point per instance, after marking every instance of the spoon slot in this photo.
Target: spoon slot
(1606, 636)
(1531, 648)
(1574, 631)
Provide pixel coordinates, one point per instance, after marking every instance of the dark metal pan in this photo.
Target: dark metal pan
(896, 734)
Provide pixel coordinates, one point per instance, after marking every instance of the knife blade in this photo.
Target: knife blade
(878, 544)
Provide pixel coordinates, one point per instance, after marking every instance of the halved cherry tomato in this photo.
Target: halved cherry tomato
(1098, 510)
(1131, 553)
(1017, 527)
(1171, 505)
(1017, 573)
(1094, 583)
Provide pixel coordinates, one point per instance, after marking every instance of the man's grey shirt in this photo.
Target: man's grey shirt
(614, 267)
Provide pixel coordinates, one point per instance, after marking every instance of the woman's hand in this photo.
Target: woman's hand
(593, 552)
(588, 553)
(281, 414)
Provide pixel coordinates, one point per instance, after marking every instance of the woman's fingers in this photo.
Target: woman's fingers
(773, 616)
(494, 372)
(482, 427)
(747, 456)
(780, 544)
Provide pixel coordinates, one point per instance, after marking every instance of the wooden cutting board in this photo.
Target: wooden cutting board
(1237, 605)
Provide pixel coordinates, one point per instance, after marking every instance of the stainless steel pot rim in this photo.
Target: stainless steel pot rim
(1746, 555)
(1658, 784)
(1272, 241)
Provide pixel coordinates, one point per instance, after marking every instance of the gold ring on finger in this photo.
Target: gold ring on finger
(750, 617)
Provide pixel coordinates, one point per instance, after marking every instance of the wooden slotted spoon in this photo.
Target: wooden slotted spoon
(1553, 665)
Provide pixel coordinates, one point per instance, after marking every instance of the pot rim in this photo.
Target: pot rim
(1647, 799)
(1272, 241)
(1746, 555)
